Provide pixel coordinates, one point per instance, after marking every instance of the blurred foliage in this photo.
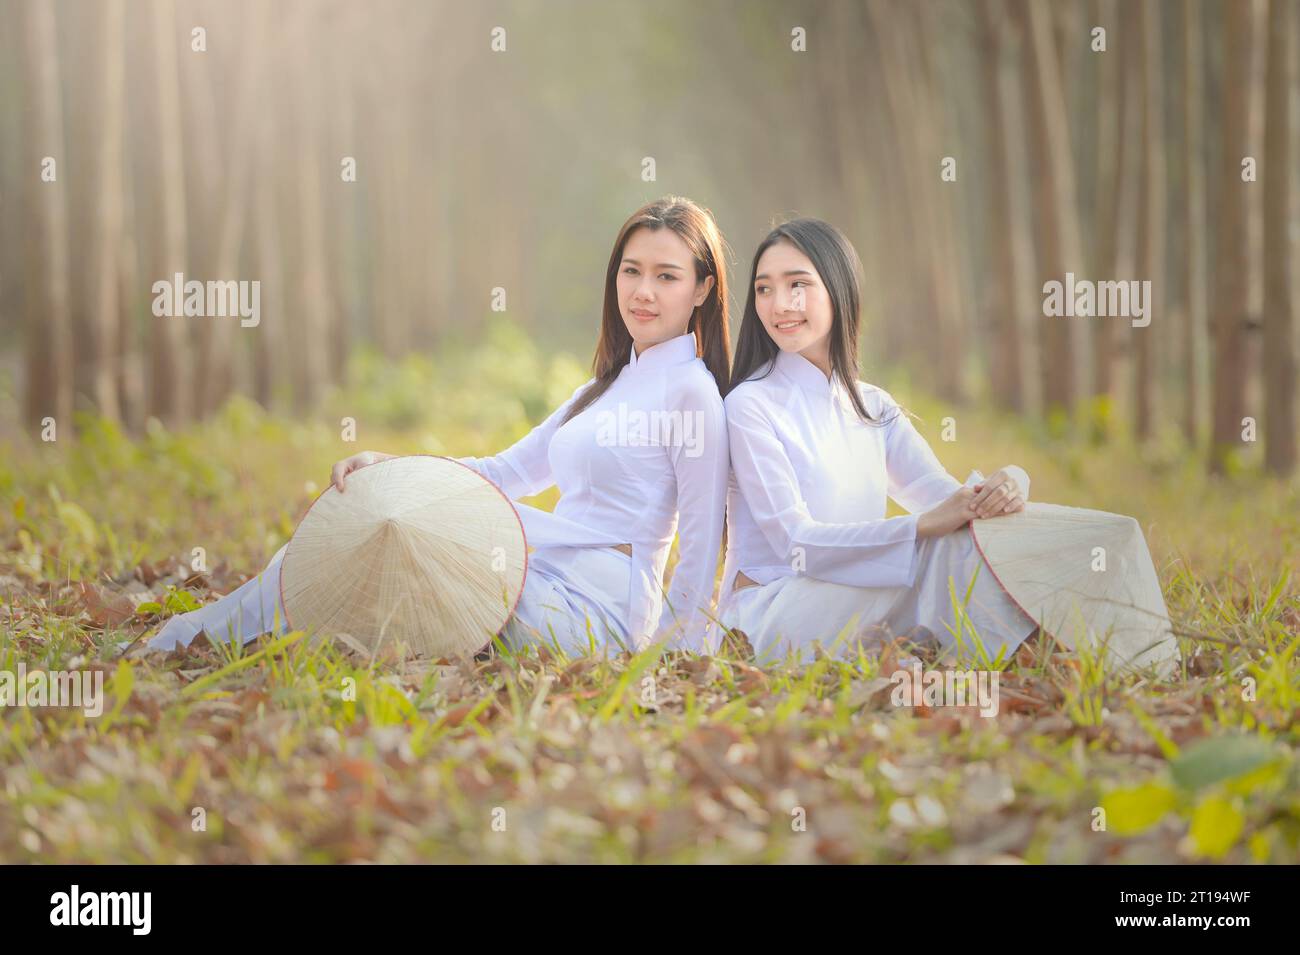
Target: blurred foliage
(501, 385)
(236, 483)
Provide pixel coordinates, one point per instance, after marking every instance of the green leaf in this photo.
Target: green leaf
(148, 607)
(180, 601)
(1223, 757)
(1136, 808)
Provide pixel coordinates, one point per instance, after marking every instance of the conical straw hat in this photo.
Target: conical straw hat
(419, 550)
(1082, 575)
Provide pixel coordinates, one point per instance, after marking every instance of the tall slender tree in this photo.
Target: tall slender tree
(1151, 222)
(1194, 206)
(49, 340)
(314, 310)
(169, 355)
(999, 302)
(106, 320)
(918, 163)
(1279, 316)
(1230, 249)
(1058, 225)
(214, 378)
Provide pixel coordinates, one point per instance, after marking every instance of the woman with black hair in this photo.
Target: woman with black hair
(811, 557)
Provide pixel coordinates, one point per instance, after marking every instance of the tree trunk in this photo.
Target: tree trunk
(134, 294)
(1231, 273)
(1194, 292)
(271, 355)
(1112, 143)
(216, 377)
(312, 327)
(1004, 357)
(936, 129)
(906, 291)
(1059, 240)
(106, 320)
(169, 338)
(919, 159)
(1279, 340)
(206, 131)
(49, 340)
(1151, 221)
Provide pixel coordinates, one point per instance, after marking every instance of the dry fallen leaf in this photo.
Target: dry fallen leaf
(105, 610)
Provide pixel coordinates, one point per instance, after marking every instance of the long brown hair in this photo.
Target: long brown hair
(710, 322)
(837, 262)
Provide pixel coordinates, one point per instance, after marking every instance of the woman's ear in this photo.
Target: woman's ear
(702, 290)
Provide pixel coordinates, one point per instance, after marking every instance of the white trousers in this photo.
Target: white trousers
(246, 613)
(574, 598)
(792, 615)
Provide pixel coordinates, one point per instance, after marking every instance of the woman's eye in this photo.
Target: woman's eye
(628, 270)
(668, 276)
(761, 290)
(799, 283)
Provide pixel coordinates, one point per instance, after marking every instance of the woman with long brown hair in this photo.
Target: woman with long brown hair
(639, 452)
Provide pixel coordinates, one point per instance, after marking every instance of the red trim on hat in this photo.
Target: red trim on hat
(989, 565)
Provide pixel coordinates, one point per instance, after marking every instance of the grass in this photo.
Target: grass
(301, 750)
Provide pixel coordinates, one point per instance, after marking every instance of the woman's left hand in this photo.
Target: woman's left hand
(1001, 493)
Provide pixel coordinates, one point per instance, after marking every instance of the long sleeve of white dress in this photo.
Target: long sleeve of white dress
(919, 482)
(869, 553)
(645, 460)
(701, 466)
(839, 462)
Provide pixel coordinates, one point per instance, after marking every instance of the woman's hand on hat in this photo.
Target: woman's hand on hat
(952, 515)
(1003, 492)
(354, 463)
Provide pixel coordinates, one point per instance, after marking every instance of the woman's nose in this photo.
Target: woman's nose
(791, 301)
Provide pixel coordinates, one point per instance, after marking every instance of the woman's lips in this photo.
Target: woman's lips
(642, 315)
(792, 325)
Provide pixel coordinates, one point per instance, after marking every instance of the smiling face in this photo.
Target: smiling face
(793, 304)
(657, 288)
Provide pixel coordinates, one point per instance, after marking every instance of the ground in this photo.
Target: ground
(295, 751)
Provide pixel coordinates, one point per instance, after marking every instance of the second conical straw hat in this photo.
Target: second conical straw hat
(418, 550)
(1083, 575)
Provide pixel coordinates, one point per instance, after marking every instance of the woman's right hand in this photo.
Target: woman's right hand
(953, 514)
(360, 460)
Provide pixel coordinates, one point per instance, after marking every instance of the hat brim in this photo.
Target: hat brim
(1082, 574)
(420, 550)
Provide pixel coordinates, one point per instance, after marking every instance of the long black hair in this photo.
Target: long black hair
(840, 269)
(698, 229)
